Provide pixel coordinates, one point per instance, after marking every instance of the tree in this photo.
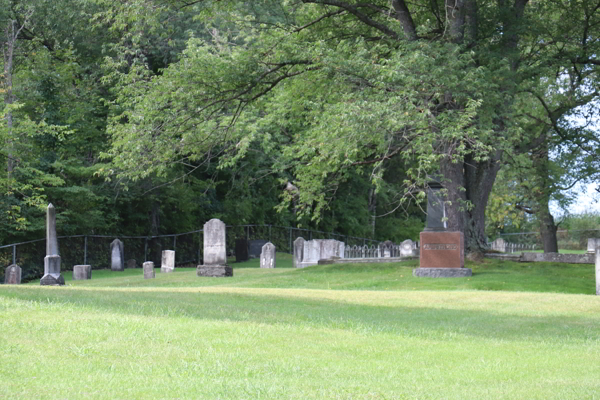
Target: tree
(338, 86)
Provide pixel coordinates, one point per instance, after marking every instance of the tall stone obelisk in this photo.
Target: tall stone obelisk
(52, 274)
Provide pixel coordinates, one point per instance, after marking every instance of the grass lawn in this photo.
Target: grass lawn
(369, 331)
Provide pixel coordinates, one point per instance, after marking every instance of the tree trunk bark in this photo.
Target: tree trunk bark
(548, 230)
(468, 186)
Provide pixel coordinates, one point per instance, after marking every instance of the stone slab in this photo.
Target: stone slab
(558, 257)
(442, 250)
(267, 256)
(82, 272)
(241, 250)
(597, 257)
(298, 252)
(214, 270)
(148, 268)
(117, 259)
(592, 244)
(442, 272)
(214, 243)
(131, 263)
(168, 261)
(12, 275)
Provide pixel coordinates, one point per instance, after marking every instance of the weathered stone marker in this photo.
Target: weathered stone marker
(267, 256)
(117, 259)
(442, 252)
(597, 271)
(148, 268)
(12, 275)
(131, 263)
(82, 272)
(298, 252)
(52, 274)
(168, 261)
(407, 248)
(215, 259)
(592, 244)
(386, 249)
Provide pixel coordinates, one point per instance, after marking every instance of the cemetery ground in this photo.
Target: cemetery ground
(362, 331)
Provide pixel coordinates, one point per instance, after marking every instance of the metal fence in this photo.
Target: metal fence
(94, 250)
(572, 239)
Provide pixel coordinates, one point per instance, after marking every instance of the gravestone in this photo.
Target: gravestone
(12, 275)
(298, 252)
(117, 259)
(168, 261)
(241, 250)
(441, 251)
(148, 268)
(267, 256)
(386, 249)
(407, 248)
(592, 244)
(52, 274)
(131, 263)
(82, 272)
(215, 259)
(597, 271)
(255, 247)
(499, 245)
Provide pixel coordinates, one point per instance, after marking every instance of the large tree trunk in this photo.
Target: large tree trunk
(547, 230)
(468, 186)
(548, 227)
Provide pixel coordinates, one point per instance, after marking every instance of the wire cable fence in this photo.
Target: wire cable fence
(94, 250)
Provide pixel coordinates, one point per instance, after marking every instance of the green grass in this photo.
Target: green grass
(368, 331)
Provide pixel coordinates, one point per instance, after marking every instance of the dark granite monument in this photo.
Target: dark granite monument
(442, 251)
(52, 276)
(241, 250)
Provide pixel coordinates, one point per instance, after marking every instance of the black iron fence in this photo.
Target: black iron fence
(94, 250)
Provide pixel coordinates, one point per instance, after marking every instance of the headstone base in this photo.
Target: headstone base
(52, 280)
(214, 270)
(442, 272)
(166, 269)
(82, 272)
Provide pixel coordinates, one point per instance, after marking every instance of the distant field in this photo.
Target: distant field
(368, 331)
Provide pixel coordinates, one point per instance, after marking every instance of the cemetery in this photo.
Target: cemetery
(359, 200)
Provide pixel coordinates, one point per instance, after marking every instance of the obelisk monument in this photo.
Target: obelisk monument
(52, 274)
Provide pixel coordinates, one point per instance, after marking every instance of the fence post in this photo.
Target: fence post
(270, 234)
(248, 232)
(291, 250)
(14, 254)
(85, 250)
(145, 249)
(174, 242)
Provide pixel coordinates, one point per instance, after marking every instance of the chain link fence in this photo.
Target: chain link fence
(94, 250)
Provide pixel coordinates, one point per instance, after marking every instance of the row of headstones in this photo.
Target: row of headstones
(309, 252)
(503, 246)
(387, 249)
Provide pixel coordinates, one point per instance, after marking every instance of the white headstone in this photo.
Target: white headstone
(214, 243)
(82, 272)
(592, 244)
(597, 271)
(407, 248)
(148, 268)
(117, 259)
(298, 252)
(267, 256)
(168, 261)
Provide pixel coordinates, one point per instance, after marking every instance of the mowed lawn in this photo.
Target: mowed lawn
(324, 332)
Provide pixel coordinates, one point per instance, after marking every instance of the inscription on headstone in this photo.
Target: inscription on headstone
(267, 256)
(52, 274)
(12, 275)
(117, 259)
(148, 268)
(168, 261)
(82, 272)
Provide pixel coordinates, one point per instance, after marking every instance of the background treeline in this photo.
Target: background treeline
(144, 117)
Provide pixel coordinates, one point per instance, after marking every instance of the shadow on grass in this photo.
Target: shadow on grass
(431, 323)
